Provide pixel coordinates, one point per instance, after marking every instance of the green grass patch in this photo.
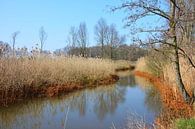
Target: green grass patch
(185, 124)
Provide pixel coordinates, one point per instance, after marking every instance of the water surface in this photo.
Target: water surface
(96, 108)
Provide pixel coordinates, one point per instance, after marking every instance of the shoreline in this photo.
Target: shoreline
(11, 96)
(174, 106)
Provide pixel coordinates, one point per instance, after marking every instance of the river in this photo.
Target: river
(131, 99)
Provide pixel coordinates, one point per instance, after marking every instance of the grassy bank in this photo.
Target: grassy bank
(174, 106)
(185, 124)
(187, 73)
(49, 76)
(166, 70)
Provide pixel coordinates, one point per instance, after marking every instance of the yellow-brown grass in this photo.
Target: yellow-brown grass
(141, 65)
(19, 76)
(187, 72)
(173, 102)
(168, 73)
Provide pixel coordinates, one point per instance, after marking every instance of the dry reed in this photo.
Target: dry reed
(187, 72)
(172, 100)
(19, 76)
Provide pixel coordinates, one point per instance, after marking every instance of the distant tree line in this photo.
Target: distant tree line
(108, 44)
(122, 52)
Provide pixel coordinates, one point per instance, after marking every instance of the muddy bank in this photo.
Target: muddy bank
(131, 67)
(10, 96)
(174, 106)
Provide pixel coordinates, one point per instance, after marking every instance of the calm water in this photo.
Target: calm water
(97, 108)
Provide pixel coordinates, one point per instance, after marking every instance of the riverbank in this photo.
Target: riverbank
(24, 78)
(107, 104)
(11, 96)
(174, 105)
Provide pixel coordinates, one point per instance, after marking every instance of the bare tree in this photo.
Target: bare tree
(175, 15)
(72, 39)
(101, 33)
(5, 49)
(114, 39)
(14, 35)
(42, 37)
(82, 39)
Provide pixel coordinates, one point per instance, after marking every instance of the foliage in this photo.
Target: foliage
(185, 124)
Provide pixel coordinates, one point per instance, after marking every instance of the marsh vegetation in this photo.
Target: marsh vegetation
(50, 76)
(150, 70)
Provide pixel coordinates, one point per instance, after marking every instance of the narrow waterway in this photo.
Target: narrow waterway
(129, 99)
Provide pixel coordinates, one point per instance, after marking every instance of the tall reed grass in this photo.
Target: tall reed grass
(174, 105)
(23, 74)
(141, 65)
(187, 73)
(167, 71)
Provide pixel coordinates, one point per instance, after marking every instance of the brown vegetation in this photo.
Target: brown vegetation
(170, 37)
(22, 78)
(12, 95)
(131, 67)
(174, 106)
(187, 73)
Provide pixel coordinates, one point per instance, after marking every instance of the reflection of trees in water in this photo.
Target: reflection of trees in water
(143, 83)
(78, 102)
(15, 115)
(82, 104)
(32, 114)
(107, 100)
(127, 81)
(152, 100)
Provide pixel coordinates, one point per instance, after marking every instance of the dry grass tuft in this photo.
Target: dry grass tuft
(141, 65)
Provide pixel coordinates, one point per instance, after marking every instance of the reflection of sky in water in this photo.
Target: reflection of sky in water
(88, 109)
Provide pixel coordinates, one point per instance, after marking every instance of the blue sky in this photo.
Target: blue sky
(57, 16)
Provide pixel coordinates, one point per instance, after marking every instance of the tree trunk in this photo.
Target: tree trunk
(41, 48)
(111, 52)
(13, 47)
(102, 47)
(179, 80)
(102, 53)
